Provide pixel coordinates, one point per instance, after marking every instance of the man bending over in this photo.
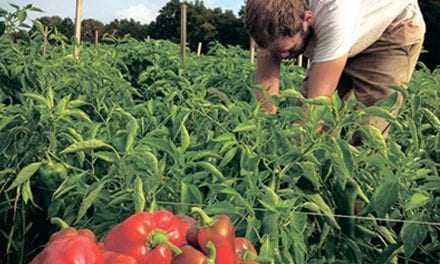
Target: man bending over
(355, 46)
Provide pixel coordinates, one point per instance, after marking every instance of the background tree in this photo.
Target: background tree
(167, 23)
(89, 26)
(205, 25)
(51, 21)
(67, 27)
(130, 27)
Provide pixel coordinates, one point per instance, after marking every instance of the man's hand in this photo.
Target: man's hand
(267, 76)
(323, 78)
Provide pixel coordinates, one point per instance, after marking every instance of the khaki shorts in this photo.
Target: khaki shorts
(389, 62)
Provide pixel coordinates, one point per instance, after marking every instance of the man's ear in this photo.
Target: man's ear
(307, 19)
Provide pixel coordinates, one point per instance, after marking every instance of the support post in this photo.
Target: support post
(252, 48)
(96, 38)
(45, 41)
(199, 49)
(300, 60)
(183, 30)
(78, 15)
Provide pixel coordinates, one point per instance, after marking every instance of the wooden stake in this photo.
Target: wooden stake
(252, 48)
(300, 60)
(78, 15)
(45, 42)
(199, 49)
(183, 39)
(96, 38)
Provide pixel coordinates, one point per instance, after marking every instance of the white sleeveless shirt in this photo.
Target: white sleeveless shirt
(347, 27)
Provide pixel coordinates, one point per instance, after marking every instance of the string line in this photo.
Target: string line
(361, 218)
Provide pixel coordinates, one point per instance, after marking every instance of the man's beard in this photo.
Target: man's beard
(306, 38)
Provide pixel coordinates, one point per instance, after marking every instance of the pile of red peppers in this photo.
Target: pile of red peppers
(152, 237)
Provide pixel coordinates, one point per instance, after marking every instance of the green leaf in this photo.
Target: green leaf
(379, 112)
(185, 139)
(196, 194)
(107, 156)
(211, 168)
(245, 127)
(388, 254)
(132, 129)
(412, 236)
(80, 115)
(25, 174)
(139, 196)
(26, 192)
(266, 251)
(320, 100)
(388, 235)
(21, 15)
(386, 195)
(184, 197)
(417, 200)
(68, 184)
(356, 251)
(342, 162)
(6, 121)
(86, 145)
(151, 161)
(76, 103)
(432, 118)
(36, 9)
(310, 173)
(227, 137)
(39, 26)
(324, 208)
(292, 93)
(312, 207)
(229, 156)
(376, 139)
(39, 99)
(89, 200)
(160, 144)
(16, 7)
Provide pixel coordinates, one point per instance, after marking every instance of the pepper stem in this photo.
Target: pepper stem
(206, 220)
(59, 222)
(158, 237)
(212, 252)
(251, 256)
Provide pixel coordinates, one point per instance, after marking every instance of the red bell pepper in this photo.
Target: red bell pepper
(245, 251)
(190, 255)
(111, 257)
(70, 246)
(191, 230)
(221, 233)
(148, 237)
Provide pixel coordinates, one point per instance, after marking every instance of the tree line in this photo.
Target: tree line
(214, 24)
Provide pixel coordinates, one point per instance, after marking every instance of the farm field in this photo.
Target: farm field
(125, 128)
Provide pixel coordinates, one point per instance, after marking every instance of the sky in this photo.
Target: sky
(106, 10)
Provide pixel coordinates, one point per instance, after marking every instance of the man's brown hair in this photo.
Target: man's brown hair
(267, 20)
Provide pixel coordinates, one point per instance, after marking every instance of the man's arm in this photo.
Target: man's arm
(268, 76)
(323, 77)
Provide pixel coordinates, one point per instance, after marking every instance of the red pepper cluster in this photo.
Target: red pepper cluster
(157, 238)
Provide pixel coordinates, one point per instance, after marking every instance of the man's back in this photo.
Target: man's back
(351, 26)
